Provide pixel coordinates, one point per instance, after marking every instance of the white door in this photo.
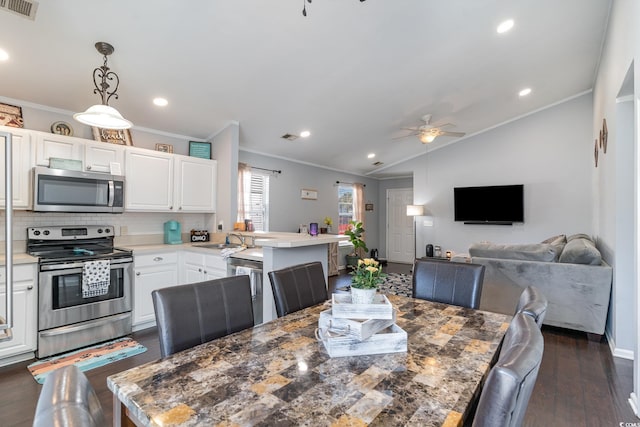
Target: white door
(149, 180)
(196, 184)
(400, 230)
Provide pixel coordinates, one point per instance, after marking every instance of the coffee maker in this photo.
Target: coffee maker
(172, 233)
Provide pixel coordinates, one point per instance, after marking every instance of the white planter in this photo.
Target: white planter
(362, 296)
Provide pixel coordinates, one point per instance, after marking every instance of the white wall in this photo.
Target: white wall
(550, 152)
(225, 151)
(617, 204)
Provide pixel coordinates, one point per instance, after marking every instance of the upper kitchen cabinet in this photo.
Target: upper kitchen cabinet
(195, 184)
(98, 156)
(23, 159)
(149, 180)
(58, 146)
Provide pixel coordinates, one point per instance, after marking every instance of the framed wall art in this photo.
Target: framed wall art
(200, 149)
(11, 115)
(112, 136)
(165, 148)
(308, 194)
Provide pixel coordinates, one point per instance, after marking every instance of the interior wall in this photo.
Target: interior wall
(550, 152)
(287, 210)
(225, 150)
(612, 186)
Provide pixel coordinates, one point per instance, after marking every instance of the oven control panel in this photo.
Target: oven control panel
(70, 232)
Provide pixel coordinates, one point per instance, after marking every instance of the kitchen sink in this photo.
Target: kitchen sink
(220, 245)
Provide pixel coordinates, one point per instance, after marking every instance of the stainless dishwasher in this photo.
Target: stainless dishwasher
(254, 270)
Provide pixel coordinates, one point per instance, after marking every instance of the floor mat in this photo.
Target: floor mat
(87, 358)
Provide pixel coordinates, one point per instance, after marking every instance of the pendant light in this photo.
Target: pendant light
(102, 115)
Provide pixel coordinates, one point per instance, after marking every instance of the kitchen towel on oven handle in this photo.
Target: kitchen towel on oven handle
(96, 278)
(240, 271)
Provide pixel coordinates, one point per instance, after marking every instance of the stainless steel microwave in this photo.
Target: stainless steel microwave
(59, 190)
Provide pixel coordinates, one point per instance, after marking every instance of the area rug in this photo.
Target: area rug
(395, 284)
(87, 358)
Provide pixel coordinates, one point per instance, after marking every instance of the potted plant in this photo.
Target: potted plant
(354, 231)
(365, 280)
(328, 222)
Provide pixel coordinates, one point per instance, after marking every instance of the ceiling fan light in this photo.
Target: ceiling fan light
(103, 116)
(426, 138)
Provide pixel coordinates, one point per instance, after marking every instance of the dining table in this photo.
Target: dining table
(280, 374)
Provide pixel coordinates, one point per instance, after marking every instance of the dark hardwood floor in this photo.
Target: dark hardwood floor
(579, 383)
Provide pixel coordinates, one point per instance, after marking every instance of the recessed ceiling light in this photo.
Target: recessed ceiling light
(4, 55)
(525, 92)
(505, 26)
(160, 102)
(305, 133)
(370, 156)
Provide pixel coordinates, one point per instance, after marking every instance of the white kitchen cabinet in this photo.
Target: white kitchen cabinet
(23, 159)
(199, 266)
(149, 180)
(25, 309)
(98, 156)
(58, 146)
(195, 189)
(152, 271)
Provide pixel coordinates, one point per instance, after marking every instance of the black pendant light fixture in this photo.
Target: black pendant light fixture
(102, 115)
(304, 6)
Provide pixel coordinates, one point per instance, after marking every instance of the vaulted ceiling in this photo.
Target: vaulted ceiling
(352, 73)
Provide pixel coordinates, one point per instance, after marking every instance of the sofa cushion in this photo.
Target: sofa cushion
(578, 236)
(529, 252)
(580, 251)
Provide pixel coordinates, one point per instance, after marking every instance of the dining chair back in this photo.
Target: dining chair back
(509, 385)
(448, 282)
(67, 399)
(189, 315)
(298, 287)
(534, 303)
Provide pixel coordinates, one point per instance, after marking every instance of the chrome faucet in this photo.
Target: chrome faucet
(240, 237)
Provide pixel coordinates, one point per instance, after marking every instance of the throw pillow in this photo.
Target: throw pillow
(531, 252)
(581, 251)
(557, 242)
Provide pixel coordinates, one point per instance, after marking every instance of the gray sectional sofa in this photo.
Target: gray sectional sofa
(569, 272)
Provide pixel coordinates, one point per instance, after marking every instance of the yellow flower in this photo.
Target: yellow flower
(372, 269)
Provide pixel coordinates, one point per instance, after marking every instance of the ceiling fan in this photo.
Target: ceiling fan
(427, 132)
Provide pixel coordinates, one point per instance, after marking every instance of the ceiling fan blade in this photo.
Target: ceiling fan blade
(458, 134)
(404, 136)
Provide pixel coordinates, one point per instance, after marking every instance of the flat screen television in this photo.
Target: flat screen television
(498, 204)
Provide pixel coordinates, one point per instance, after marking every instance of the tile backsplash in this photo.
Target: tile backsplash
(129, 223)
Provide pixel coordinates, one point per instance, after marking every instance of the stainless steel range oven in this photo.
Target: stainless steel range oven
(84, 287)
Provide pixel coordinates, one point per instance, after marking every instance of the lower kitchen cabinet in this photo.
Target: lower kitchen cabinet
(152, 271)
(25, 309)
(198, 267)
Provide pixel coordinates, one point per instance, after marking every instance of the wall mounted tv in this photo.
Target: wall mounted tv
(498, 204)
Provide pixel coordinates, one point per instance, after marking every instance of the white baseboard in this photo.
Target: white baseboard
(633, 402)
(618, 352)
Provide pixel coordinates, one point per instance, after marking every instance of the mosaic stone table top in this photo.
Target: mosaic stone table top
(279, 374)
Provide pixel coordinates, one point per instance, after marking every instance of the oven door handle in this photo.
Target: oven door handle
(93, 324)
(54, 267)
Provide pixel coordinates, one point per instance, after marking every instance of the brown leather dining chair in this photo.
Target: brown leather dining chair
(448, 282)
(534, 303)
(298, 287)
(67, 399)
(189, 315)
(509, 385)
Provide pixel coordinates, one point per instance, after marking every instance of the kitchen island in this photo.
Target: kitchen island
(281, 250)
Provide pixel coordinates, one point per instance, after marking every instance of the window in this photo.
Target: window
(345, 207)
(256, 201)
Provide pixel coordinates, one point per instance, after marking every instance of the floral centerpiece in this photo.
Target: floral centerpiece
(365, 279)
